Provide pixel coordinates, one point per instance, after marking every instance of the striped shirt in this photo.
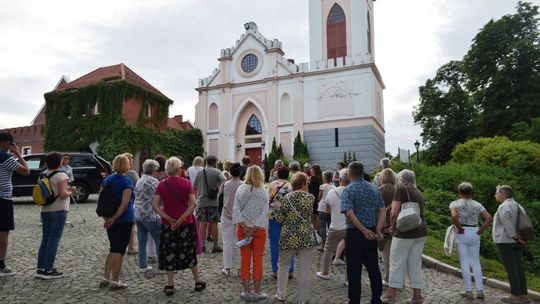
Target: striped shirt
(8, 165)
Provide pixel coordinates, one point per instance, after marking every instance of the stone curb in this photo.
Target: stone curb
(448, 269)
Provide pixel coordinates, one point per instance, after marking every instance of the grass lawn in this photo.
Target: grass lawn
(490, 268)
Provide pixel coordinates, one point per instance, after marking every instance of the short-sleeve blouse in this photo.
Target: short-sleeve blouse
(174, 192)
(468, 211)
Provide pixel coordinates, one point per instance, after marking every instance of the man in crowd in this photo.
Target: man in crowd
(384, 163)
(364, 208)
(10, 161)
(207, 184)
(246, 162)
(335, 179)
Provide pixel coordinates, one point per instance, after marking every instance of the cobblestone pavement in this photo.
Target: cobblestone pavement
(82, 253)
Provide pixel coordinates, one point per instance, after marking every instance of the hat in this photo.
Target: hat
(6, 137)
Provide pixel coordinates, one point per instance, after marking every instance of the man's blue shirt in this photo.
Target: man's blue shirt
(363, 199)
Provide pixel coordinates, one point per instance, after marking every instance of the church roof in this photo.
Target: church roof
(108, 73)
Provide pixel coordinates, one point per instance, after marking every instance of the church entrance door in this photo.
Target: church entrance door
(255, 154)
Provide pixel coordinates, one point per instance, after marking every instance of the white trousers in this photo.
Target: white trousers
(468, 247)
(406, 254)
(228, 235)
(303, 265)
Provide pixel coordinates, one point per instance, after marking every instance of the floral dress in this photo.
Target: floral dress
(297, 231)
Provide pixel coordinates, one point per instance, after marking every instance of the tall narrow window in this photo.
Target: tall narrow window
(253, 126)
(369, 34)
(213, 117)
(336, 33)
(336, 137)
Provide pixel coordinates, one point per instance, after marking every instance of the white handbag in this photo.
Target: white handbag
(409, 217)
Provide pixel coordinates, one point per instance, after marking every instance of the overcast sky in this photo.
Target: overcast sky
(173, 43)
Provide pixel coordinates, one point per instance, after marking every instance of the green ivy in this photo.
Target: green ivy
(72, 126)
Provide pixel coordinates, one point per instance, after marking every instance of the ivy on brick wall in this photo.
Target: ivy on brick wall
(72, 126)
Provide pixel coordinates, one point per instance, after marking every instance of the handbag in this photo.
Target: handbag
(210, 193)
(409, 216)
(524, 224)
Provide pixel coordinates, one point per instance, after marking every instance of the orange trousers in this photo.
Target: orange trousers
(255, 251)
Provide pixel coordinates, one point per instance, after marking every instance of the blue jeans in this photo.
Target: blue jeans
(143, 228)
(362, 252)
(53, 227)
(274, 233)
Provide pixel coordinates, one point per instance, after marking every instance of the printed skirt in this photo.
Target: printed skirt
(177, 248)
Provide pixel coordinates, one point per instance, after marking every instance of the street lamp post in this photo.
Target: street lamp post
(417, 146)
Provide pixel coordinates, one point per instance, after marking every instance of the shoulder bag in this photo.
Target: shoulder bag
(524, 224)
(210, 193)
(409, 216)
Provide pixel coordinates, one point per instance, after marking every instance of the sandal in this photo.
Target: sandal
(388, 300)
(117, 285)
(169, 290)
(104, 282)
(199, 286)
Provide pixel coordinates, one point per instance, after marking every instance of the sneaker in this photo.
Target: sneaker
(245, 296)
(480, 294)
(384, 283)
(6, 272)
(226, 271)
(145, 269)
(39, 274)
(258, 296)
(53, 274)
(323, 276)
(338, 262)
(279, 298)
(68, 222)
(467, 295)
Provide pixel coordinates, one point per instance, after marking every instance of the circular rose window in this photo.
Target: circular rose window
(249, 63)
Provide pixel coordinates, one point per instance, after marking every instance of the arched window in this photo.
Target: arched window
(369, 34)
(336, 33)
(253, 126)
(213, 117)
(285, 108)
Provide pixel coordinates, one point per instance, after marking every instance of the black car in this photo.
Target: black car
(89, 170)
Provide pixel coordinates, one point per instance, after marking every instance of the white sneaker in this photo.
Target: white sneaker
(226, 272)
(279, 298)
(320, 275)
(146, 269)
(384, 283)
(338, 262)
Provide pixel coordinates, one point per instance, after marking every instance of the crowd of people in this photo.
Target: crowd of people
(341, 213)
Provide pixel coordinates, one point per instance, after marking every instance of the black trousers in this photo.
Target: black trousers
(511, 257)
(362, 252)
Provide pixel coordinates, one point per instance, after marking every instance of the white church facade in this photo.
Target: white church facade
(335, 101)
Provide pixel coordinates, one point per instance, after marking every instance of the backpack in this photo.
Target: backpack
(42, 192)
(108, 203)
(525, 226)
(409, 217)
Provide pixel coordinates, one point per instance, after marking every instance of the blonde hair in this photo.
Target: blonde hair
(298, 180)
(121, 164)
(254, 177)
(172, 166)
(388, 177)
(227, 165)
(198, 162)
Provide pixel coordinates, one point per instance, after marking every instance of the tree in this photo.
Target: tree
(300, 150)
(445, 112)
(503, 66)
(526, 131)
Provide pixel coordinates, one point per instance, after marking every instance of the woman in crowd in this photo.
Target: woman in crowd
(227, 227)
(161, 170)
(276, 190)
(338, 228)
(465, 213)
(297, 237)
(274, 171)
(120, 225)
(178, 241)
(151, 250)
(387, 189)
(322, 211)
(406, 249)
(196, 166)
(53, 218)
(134, 177)
(250, 214)
(506, 236)
(227, 169)
(147, 219)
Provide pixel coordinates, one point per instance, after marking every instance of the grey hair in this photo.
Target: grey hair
(278, 162)
(465, 188)
(150, 165)
(407, 178)
(385, 163)
(506, 190)
(344, 176)
(294, 166)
